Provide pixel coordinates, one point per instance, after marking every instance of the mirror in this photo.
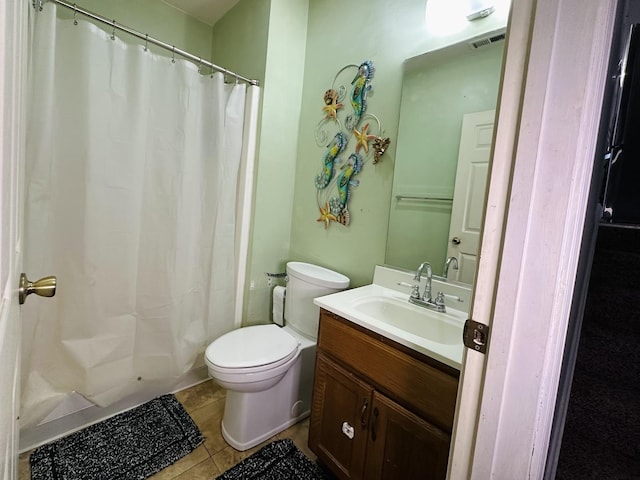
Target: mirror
(439, 89)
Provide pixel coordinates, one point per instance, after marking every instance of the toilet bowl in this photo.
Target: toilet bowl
(267, 370)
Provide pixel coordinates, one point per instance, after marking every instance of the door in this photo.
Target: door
(557, 55)
(13, 55)
(469, 193)
(403, 445)
(339, 419)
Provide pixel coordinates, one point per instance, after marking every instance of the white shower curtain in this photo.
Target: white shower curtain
(131, 194)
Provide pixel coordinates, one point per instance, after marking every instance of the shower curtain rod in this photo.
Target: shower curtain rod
(143, 36)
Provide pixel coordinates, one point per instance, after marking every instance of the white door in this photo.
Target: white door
(555, 72)
(469, 193)
(13, 55)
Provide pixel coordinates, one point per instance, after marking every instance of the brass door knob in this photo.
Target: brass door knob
(45, 287)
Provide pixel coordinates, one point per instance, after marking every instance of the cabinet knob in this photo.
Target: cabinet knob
(348, 430)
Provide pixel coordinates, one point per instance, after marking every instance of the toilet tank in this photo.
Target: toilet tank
(304, 283)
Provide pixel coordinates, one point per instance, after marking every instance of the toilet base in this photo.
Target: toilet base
(262, 437)
(252, 417)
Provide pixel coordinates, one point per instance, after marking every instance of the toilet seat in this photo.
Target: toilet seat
(251, 349)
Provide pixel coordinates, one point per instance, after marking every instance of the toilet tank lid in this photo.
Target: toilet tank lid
(317, 275)
(251, 347)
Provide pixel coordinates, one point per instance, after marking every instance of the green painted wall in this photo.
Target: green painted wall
(435, 96)
(295, 47)
(266, 40)
(341, 33)
(281, 99)
(240, 38)
(157, 19)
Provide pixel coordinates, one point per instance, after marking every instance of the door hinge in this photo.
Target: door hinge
(475, 336)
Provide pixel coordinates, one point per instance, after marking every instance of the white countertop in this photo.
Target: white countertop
(345, 304)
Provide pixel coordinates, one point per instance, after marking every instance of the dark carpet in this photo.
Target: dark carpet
(132, 445)
(601, 437)
(280, 460)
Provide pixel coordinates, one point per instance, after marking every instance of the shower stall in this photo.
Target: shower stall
(138, 195)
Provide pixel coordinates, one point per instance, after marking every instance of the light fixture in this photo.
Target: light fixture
(446, 17)
(479, 9)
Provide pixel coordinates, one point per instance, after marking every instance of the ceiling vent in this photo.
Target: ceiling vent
(486, 41)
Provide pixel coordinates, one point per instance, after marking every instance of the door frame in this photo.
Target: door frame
(556, 61)
(13, 87)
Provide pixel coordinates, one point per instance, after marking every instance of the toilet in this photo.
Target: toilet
(268, 370)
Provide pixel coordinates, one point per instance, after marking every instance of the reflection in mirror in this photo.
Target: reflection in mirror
(439, 90)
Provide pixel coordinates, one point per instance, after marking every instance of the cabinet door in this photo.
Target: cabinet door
(402, 445)
(339, 419)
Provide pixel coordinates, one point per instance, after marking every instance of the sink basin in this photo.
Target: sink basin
(388, 312)
(416, 320)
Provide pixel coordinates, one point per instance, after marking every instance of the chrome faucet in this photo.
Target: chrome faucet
(426, 295)
(447, 264)
(425, 300)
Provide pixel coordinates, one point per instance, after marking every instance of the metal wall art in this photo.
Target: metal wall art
(350, 136)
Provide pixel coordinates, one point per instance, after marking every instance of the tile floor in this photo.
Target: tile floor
(205, 404)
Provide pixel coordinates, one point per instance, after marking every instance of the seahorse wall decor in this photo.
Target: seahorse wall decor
(334, 133)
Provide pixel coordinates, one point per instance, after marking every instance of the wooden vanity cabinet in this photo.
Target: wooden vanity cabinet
(401, 445)
(379, 410)
(339, 418)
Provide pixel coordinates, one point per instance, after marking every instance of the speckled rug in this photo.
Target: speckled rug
(279, 460)
(130, 446)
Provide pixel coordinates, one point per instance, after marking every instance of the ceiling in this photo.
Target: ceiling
(207, 11)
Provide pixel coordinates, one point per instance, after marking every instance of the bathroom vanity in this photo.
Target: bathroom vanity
(383, 407)
(380, 410)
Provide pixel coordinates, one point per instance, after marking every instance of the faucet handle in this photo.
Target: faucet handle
(415, 288)
(451, 297)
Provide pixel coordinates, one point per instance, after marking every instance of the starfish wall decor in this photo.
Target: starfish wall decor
(346, 117)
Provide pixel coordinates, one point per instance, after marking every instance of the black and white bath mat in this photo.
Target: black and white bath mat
(132, 445)
(280, 460)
